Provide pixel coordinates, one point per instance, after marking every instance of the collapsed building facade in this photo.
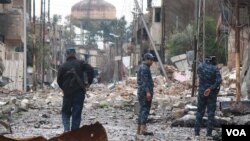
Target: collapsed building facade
(226, 25)
(11, 39)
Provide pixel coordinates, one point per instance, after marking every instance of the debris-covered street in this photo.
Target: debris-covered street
(115, 106)
(124, 70)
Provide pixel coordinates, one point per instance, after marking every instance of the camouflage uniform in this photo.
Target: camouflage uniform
(209, 77)
(145, 84)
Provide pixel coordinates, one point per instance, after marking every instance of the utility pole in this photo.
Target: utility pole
(177, 23)
(237, 48)
(41, 19)
(29, 9)
(204, 29)
(141, 33)
(43, 46)
(48, 11)
(163, 34)
(40, 43)
(199, 39)
(136, 41)
(194, 67)
(25, 46)
(34, 73)
(201, 30)
(151, 40)
(116, 58)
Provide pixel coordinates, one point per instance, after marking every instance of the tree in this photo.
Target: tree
(180, 42)
(69, 31)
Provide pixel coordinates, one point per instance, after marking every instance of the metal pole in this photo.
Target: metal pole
(142, 49)
(162, 50)
(24, 46)
(34, 47)
(151, 40)
(194, 66)
(177, 23)
(198, 30)
(39, 63)
(43, 47)
(204, 29)
(48, 11)
(237, 48)
(116, 62)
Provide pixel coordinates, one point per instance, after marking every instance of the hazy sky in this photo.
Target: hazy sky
(63, 7)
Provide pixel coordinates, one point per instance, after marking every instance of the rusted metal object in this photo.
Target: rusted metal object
(93, 132)
(238, 108)
(39, 138)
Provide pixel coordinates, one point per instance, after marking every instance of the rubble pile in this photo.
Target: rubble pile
(170, 71)
(228, 86)
(8, 91)
(98, 89)
(172, 102)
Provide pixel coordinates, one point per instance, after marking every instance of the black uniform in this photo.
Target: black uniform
(68, 78)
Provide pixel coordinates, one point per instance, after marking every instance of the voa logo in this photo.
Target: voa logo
(236, 132)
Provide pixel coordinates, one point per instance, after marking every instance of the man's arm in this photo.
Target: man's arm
(144, 73)
(89, 70)
(59, 77)
(218, 80)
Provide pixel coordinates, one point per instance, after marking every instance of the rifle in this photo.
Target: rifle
(78, 79)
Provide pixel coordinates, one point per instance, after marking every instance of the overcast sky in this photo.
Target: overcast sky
(63, 7)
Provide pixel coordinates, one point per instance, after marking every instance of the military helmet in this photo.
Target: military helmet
(148, 56)
(70, 51)
(213, 60)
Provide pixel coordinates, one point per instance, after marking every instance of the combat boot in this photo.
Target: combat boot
(143, 131)
(138, 129)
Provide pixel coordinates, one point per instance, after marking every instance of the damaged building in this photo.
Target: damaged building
(11, 34)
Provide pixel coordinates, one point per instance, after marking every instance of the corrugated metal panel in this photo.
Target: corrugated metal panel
(14, 70)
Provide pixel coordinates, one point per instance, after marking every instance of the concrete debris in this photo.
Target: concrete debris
(117, 102)
(190, 107)
(189, 121)
(232, 107)
(241, 120)
(170, 71)
(7, 91)
(181, 77)
(24, 105)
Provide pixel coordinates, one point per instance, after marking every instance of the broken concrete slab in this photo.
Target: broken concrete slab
(241, 108)
(241, 120)
(189, 121)
(178, 113)
(179, 104)
(189, 107)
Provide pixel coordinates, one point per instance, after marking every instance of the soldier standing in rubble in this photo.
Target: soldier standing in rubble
(73, 82)
(209, 85)
(145, 92)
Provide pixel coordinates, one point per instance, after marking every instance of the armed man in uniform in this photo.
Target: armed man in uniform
(145, 92)
(209, 85)
(74, 76)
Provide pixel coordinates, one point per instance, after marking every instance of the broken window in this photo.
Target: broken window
(157, 14)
